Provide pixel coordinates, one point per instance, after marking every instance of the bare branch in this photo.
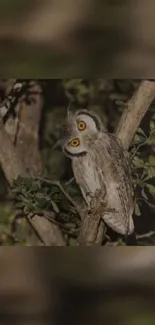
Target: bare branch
(147, 235)
(134, 112)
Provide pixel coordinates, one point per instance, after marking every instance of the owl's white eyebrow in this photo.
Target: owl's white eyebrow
(93, 116)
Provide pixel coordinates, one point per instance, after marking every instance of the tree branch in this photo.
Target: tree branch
(49, 232)
(132, 115)
(20, 159)
(11, 165)
(134, 112)
(27, 137)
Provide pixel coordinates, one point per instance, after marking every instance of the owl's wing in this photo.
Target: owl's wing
(113, 161)
(81, 178)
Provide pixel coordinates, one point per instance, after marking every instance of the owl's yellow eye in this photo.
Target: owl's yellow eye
(75, 142)
(81, 125)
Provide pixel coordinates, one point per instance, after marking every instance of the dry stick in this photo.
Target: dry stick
(131, 117)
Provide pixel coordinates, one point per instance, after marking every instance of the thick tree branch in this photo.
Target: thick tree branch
(27, 137)
(11, 165)
(49, 232)
(24, 159)
(126, 129)
(134, 112)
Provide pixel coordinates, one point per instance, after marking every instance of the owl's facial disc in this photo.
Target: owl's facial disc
(74, 148)
(81, 130)
(88, 123)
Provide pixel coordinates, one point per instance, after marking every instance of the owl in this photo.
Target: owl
(99, 163)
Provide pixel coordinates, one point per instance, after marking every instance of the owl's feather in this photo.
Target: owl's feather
(105, 166)
(99, 163)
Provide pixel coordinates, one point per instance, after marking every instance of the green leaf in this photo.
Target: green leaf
(137, 210)
(140, 136)
(41, 204)
(30, 206)
(139, 163)
(151, 139)
(151, 171)
(140, 131)
(144, 194)
(138, 139)
(54, 206)
(152, 160)
(40, 196)
(20, 205)
(151, 189)
(34, 187)
(152, 125)
(152, 206)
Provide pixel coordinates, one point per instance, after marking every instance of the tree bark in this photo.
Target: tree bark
(23, 159)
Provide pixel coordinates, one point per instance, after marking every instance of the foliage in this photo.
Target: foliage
(38, 196)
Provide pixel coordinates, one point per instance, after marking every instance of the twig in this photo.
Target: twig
(57, 183)
(120, 103)
(70, 181)
(147, 235)
(114, 244)
(137, 149)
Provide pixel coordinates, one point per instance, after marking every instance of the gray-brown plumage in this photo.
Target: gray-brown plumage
(99, 163)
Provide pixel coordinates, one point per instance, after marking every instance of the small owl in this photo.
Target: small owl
(99, 163)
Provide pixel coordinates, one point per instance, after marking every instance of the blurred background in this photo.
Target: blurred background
(34, 125)
(68, 38)
(53, 286)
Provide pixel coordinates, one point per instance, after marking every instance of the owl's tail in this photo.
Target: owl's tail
(131, 240)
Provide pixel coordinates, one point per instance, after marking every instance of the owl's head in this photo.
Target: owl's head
(81, 129)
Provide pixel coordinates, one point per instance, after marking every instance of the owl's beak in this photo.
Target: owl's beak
(87, 137)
